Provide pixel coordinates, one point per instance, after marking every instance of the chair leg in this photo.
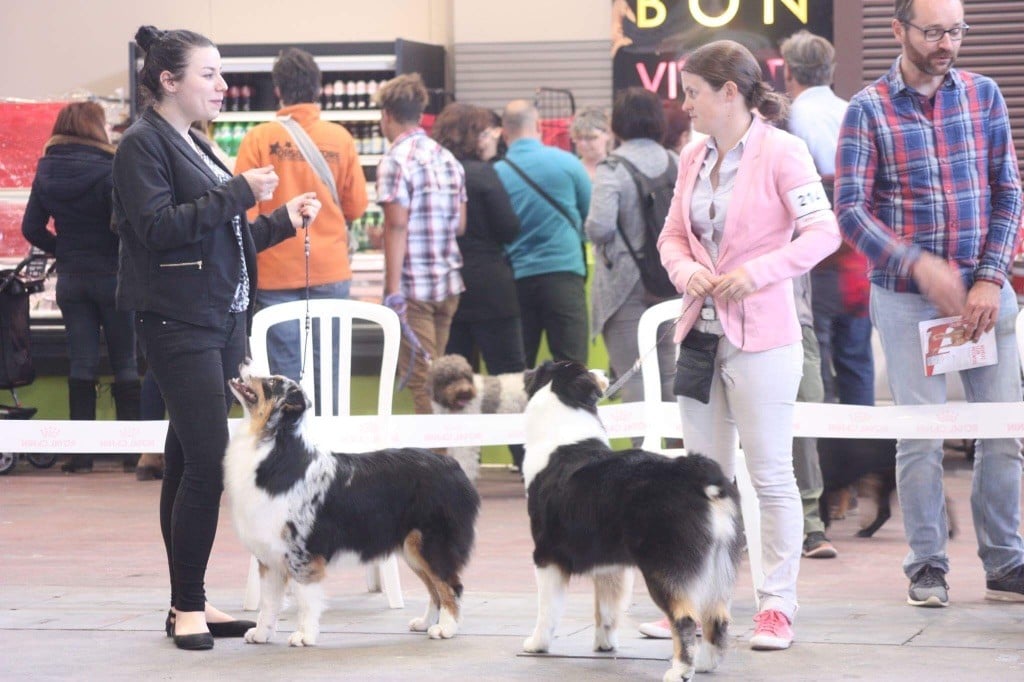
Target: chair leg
(251, 601)
(751, 522)
(383, 577)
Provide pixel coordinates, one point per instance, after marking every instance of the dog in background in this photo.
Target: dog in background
(872, 463)
(298, 508)
(597, 512)
(455, 389)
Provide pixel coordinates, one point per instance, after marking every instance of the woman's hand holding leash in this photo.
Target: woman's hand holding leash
(302, 209)
(734, 286)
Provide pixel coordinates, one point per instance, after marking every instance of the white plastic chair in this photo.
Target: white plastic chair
(382, 576)
(647, 337)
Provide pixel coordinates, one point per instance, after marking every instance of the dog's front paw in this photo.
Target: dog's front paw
(446, 626)
(259, 635)
(418, 624)
(605, 639)
(300, 638)
(678, 673)
(708, 658)
(535, 644)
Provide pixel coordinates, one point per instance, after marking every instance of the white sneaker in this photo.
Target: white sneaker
(657, 629)
(661, 629)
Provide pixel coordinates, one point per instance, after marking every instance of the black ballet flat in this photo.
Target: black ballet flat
(231, 628)
(197, 642)
(169, 623)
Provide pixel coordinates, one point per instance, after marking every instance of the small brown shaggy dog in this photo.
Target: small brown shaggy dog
(455, 389)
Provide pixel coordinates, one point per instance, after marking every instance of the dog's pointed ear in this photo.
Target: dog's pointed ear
(535, 379)
(295, 401)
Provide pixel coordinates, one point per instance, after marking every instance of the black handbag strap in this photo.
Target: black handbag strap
(539, 190)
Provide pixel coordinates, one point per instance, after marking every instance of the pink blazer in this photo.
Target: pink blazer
(775, 196)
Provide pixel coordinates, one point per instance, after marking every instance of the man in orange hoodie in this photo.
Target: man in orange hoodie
(282, 268)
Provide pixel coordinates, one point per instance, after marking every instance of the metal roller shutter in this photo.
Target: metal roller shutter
(989, 49)
(492, 74)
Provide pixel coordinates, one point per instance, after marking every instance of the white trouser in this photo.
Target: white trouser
(752, 397)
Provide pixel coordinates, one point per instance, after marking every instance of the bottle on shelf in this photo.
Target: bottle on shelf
(327, 96)
(350, 95)
(371, 94)
(233, 96)
(360, 94)
(339, 94)
(245, 95)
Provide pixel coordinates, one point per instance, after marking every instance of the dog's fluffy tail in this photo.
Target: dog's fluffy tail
(708, 475)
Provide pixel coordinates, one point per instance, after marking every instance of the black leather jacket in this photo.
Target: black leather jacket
(179, 256)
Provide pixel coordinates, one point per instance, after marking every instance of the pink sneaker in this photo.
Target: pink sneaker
(772, 631)
(660, 629)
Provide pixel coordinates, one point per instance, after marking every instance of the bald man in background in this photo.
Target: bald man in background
(550, 192)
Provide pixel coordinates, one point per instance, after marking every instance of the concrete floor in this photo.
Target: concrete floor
(83, 596)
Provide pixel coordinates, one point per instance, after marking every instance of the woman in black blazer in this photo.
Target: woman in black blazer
(188, 269)
(488, 312)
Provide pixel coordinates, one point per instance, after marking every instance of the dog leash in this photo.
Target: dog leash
(417, 349)
(308, 323)
(621, 381)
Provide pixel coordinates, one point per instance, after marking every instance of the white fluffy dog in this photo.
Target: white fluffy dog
(455, 389)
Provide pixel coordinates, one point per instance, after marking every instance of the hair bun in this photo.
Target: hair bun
(147, 35)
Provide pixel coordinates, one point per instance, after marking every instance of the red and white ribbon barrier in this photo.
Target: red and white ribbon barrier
(357, 434)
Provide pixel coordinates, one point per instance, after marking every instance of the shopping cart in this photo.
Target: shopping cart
(16, 370)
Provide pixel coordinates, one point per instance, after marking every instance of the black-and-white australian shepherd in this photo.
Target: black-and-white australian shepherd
(297, 508)
(595, 511)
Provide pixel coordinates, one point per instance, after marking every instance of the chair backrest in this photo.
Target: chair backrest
(647, 338)
(332, 380)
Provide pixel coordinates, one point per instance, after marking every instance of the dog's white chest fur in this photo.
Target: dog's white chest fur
(551, 423)
(258, 517)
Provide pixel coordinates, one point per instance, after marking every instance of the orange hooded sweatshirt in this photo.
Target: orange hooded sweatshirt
(283, 266)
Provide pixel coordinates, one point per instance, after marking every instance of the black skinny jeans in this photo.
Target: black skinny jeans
(192, 365)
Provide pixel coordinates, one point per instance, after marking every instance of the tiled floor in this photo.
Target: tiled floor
(82, 596)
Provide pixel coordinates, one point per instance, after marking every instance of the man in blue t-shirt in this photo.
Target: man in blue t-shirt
(550, 192)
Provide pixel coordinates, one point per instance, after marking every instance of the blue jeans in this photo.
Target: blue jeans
(845, 343)
(284, 341)
(995, 492)
(86, 303)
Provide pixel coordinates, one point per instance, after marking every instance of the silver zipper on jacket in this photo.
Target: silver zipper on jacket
(198, 264)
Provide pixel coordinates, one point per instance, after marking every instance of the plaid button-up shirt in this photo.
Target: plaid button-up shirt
(915, 174)
(421, 175)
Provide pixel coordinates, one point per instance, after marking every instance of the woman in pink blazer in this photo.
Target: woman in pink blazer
(749, 214)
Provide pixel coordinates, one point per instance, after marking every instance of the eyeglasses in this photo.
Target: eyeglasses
(934, 35)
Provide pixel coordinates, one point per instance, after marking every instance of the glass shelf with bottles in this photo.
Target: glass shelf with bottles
(368, 230)
(250, 99)
(370, 143)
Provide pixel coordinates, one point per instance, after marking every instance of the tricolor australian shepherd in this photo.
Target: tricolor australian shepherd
(598, 512)
(297, 507)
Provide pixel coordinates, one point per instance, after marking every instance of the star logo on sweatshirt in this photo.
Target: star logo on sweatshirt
(275, 149)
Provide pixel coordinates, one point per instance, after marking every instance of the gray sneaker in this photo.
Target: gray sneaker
(1008, 588)
(928, 588)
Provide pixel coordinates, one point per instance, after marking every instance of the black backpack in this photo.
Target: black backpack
(655, 198)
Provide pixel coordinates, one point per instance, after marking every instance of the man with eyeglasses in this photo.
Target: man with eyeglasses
(927, 187)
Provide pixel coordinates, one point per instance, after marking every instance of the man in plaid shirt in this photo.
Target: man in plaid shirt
(422, 190)
(927, 187)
